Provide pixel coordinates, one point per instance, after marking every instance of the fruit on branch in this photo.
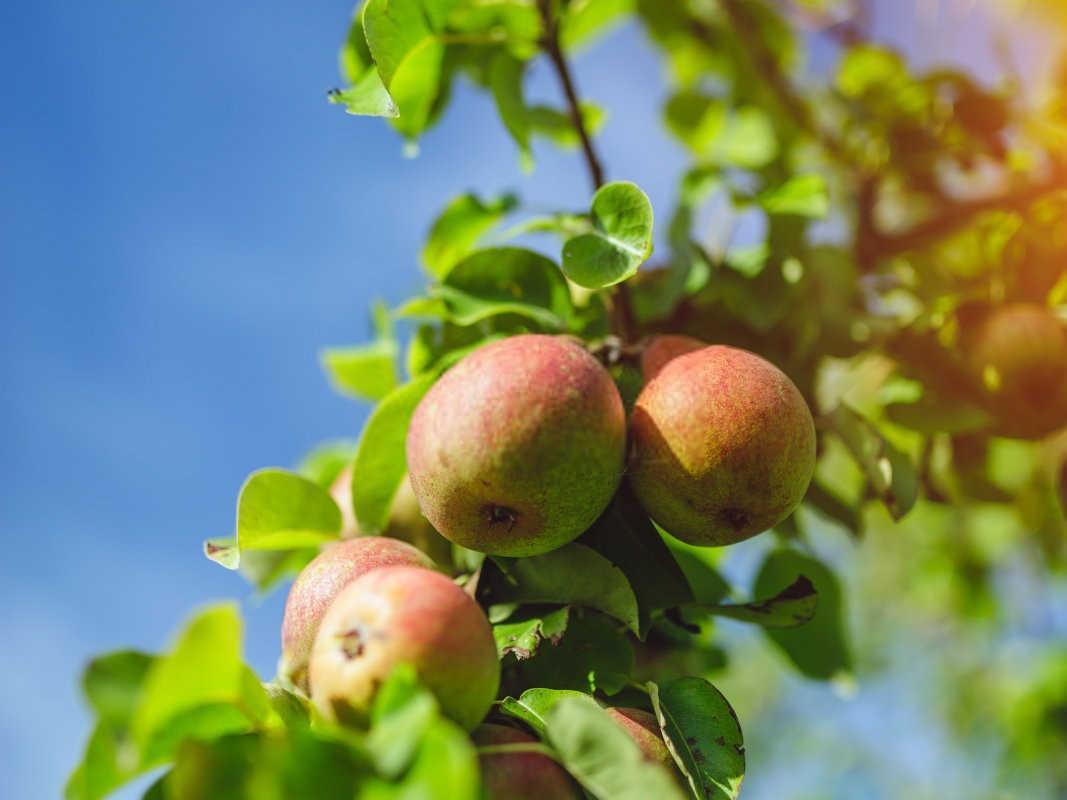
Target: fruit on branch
(519, 775)
(409, 615)
(321, 581)
(665, 348)
(723, 446)
(519, 447)
(1018, 352)
(643, 728)
(406, 521)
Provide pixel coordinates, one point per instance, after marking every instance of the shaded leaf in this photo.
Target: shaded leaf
(627, 538)
(818, 649)
(794, 605)
(574, 574)
(381, 461)
(591, 655)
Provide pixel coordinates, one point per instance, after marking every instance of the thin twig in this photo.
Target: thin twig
(621, 308)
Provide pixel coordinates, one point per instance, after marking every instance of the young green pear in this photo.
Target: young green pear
(723, 446)
(519, 447)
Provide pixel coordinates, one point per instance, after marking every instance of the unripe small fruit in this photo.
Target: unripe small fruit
(643, 728)
(517, 775)
(1018, 352)
(519, 447)
(723, 446)
(406, 521)
(404, 615)
(321, 581)
(663, 349)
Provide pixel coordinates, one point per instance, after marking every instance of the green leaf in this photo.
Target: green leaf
(278, 510)
(365, 371)
(404, 38)
(618, 241)
(890, 472)
(703, 735)
(583, 20)
(203, 669)
(819, 648)
(695, 119)
(381, 461)
(592, 655)
(557, 126)
(533, 706)
(523, 633)
(869, 67)
(459, 227)
(626, 537)
(367, 97)
(601, 756)
(747, 140)
(699, 566)
(403, 712)
(794, 605)
(445, 768)
(112, 684)
(505, 82)
(506, 281)
(324, 462)
(574, 574)
(800, 195)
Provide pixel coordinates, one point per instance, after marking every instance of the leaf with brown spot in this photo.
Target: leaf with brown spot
(703, 734)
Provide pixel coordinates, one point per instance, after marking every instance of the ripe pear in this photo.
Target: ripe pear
(1018, 351)
(518, 775)
(406, 521)
(723, 446)
(643, 728)
(519, 447)
(663, 349)
(411, 615)
(321, 581)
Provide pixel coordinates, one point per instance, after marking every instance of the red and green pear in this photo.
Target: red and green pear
(723, 446)
(663, 349)
(1018, 352)
(404, 615)
(519, 775)
(518, 448)
(643, 728)
(321, 581)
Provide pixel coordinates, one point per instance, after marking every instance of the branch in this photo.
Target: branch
(622, 314)
(958, 215)
(555, 54)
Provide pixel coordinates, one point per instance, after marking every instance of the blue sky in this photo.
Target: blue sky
(184, 223)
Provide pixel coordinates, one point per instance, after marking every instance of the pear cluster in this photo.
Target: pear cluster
(521, 446)
(516, 451)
